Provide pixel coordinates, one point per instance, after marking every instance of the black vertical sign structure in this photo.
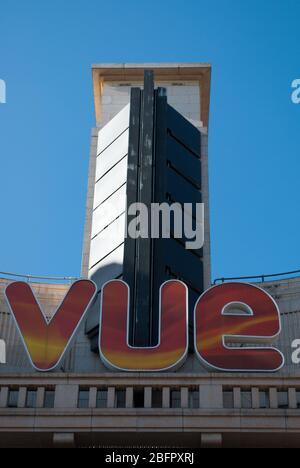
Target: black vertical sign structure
(143, 296)
(132, 192)
(168, 160)
(141, 155)
(164, 166)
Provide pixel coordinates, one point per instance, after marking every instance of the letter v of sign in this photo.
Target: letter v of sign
(47, 342)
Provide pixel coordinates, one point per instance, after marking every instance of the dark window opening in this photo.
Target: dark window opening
(13, 397)
(264, 399)
(298, 398)
(139, 398)
(157, 398)
(175, 398)
(120, 398)
(83, 398)
(31, 398)
(246, 399)
(101, 398)
(228, 399)
(283, 399)
(194, 399)
(49, 399)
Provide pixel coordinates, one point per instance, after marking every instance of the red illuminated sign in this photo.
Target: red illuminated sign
(234, 326)
(229, 319)
(172, 348)
(46, 342)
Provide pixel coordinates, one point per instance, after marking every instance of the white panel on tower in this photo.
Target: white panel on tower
(111, 182)
(112, 155)
(108, 211)
(113, 129)
(108, 240)
(108, 220)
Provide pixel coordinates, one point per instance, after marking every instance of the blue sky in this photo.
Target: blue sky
(46, 51)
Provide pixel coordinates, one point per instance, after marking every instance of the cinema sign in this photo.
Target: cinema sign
(227, 319)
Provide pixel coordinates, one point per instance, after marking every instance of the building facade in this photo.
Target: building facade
(149, 119)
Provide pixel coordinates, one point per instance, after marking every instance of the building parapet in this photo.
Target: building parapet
(123, 406)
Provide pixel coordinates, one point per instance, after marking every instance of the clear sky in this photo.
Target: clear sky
(46, 51)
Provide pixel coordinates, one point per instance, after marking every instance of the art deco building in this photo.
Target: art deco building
(149, 145)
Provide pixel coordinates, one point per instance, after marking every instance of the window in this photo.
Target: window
(246, 399)
(298, 398)
(194, 400)
(138, 398)
(175, 398)
(157, 399)
(264, 399)
(13, 397)
(83, 398)
(31, 397)
(49, 399)
(101, 398)
(283, 399)
(120, 398)
(228, 399)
